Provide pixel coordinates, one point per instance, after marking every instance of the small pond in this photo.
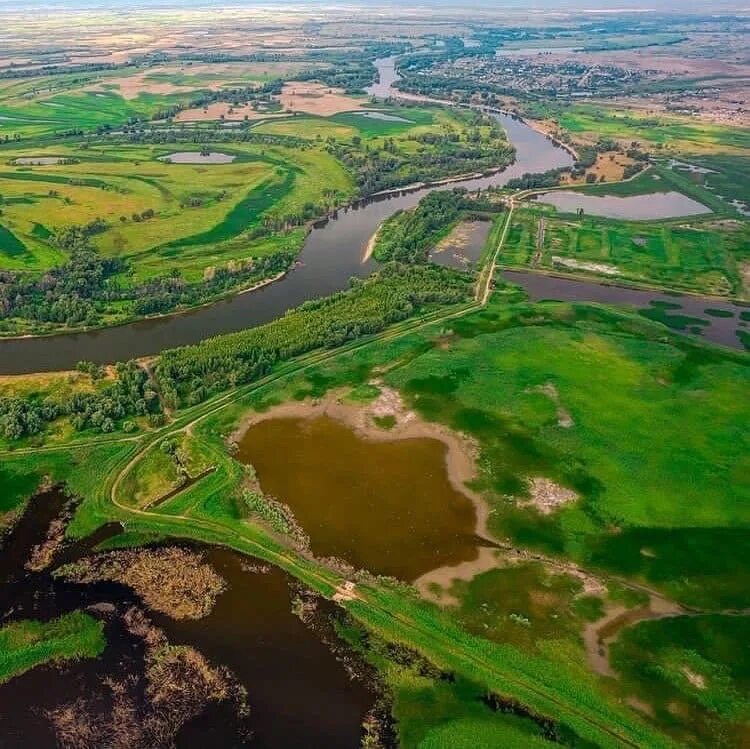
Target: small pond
(633, 207)
(385, 506)
(384, 116)
(194, 157)
(463, 246)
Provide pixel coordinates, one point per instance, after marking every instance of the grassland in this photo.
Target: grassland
(200, 211)
(728, 176)
(26, 644)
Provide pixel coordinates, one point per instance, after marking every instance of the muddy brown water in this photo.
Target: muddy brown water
(292, 677)
(384, 506)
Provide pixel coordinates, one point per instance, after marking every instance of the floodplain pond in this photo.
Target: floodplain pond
(373, 114)
(387, 506)
(38, 160)
(655, 205)
(463, 247)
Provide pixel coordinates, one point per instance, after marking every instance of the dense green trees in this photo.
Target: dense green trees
(377, 166)
(190, 374)
(79, 291)
(66, 294)
(408, 236)
(132, 393)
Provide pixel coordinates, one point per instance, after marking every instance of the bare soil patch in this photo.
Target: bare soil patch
(564, 419)
(222, 110)
(547, 496)
(698, 681)
(132, 86)
(315, 98)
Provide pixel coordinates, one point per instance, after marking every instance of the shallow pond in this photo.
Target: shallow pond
(463, 247)
(635, 207)
(716, 320)
(194, 157)
(291, 676)
(385, 506)
(375, 115)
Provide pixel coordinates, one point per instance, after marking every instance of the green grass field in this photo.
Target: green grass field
(729, 176)
(198, 209)
(662, 131)
(26, 644)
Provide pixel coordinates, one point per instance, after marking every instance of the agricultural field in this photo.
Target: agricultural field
(45, 105)
(706, 256)
(666, 133)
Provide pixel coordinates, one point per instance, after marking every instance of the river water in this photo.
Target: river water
(331, 255)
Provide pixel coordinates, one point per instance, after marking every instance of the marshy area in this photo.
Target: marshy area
(235, 654)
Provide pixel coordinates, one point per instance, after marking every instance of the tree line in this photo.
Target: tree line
(130, 395)
(190, 374)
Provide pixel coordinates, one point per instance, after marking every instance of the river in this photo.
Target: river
(331, 255)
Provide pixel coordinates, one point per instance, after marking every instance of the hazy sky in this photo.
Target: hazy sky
(682, 6)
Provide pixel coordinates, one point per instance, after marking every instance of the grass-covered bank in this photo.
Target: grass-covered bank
(26, 644)
(700, 256)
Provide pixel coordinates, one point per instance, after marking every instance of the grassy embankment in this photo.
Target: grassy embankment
(26, 644)
(671, 133)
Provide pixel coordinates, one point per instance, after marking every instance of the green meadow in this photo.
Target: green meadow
(198, 209)
(26, 644)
